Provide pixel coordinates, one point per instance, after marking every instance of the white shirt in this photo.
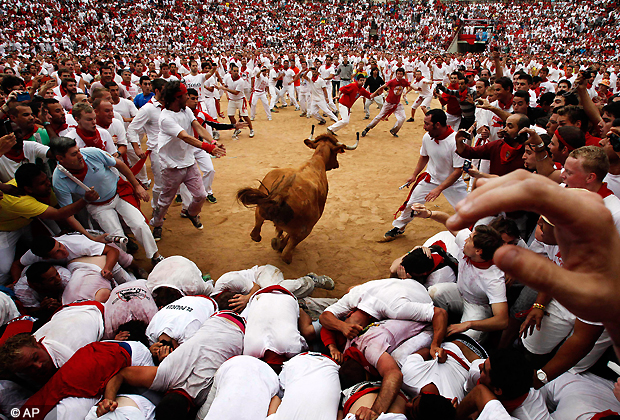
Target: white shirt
(69, 330)
(442, 157)
(237, 85)
(147, 118)
(289, 74)
(326, 72)
(195, 82)
(210, 83)
(613, 205)
(126, 108)
(423, 86)
(77, 246)
(613, 183)
(244, 387)
(316, 89)
(117, 132)
(32, 151)
(387, 299)
(445, 274)
(273, 77)
(476, 285)
(108, 142)
(28, 296)
(181, 319)
(174, 152)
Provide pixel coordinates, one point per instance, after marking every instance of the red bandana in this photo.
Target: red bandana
(604, 414)
(481, 265)
(604, 191)
(81, 173)
(561, 140)
(508, 153)
(16, 155)
(448, 131)
(511, 405)
(91, 140)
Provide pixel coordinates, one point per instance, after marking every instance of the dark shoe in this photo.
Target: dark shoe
(367, 117)
(178, 198)
(184, 213)
(211, 199)
(392, 132)
(322, 122)
(394, 233)
(195, 221)
(157, 233)
(410, 120)
(156, 260)
(364, 132)
(132, 247)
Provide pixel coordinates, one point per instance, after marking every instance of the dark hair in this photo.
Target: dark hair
(536, 79)
(505, 83)
(433, 407)
(109, 84)
(438, 116)
(173, 406)
(42, 246)
(351, 373)
(222, 300)
(484, 80)
(65, 81)
(511, 372)
(170, 92)
(488, 240)
(360, 76)
(570, 85)
(574, 114)
(144, 79)
(158, 84)
(61, 145)
(570, 98)
(416, 263)
(546, 98)
(400, 69)
(613, 109)
(192, 91)
(573, 136)
(523, 94)
(507, 226)
(34, 273)
(526, 77)
(25, 175)
(136, 329)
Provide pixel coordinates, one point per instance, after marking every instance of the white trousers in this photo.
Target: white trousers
(107, 217)
(454, 194)
(208, 106)
(345, 115)
(453, 121)
(275, 95)
(205, 164)
(377, 100)
(330, 98)
(290, 89)
(321, 105)
(263, 98)
(398, 110)
(157, 181)
(448, 297)
(8, 243)
(305, 102)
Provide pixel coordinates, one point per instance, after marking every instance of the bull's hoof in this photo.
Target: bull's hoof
(275, 244)
(256, 238)
(287, 258)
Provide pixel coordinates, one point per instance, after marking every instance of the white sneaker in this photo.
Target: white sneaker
(252, 119)
(297, 108)
(251, 133)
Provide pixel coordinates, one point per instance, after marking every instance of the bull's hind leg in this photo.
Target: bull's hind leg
(278, 242)
(289, 246)
(255, 235)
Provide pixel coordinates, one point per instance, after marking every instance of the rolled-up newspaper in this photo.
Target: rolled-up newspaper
(72, 177)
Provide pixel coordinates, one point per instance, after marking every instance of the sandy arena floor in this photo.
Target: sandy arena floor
(363, 196)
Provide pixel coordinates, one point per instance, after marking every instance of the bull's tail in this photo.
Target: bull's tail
(272, 205)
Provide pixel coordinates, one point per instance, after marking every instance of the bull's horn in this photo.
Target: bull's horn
(351, 147)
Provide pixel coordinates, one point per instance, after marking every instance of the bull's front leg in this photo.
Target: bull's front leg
(255, 235)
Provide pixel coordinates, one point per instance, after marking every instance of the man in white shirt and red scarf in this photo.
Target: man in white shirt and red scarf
(87, 134)
(178, 163)
(233, 84)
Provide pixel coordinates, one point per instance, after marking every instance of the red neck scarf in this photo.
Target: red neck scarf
(315, 78)
(31, 133)
(234, 80)
(508, 153)
(448, 131)
(127, 84)
(80, 173)
(63, 92)
(511, 405)
(61, 128)
(604, 191)
(506, 105)
(481, 265)
(16, 155)
(91, 140)
(99, 123)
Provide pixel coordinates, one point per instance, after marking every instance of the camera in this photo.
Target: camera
(23, 96)
(6, 128)
(467, 166)
(588, 73)
(614, 139)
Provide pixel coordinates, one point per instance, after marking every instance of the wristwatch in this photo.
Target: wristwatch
(542, 376)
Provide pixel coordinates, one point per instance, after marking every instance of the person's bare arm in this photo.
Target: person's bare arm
(451, 179)
(422, 161)
(440, 328)
(52, 213)
(239, 301)
(392, 380)
(111, 258)
(202, 132)
(437, 216)
(208, 147)
(138, 376)
(329, 321)
(586, 102)
(137, 187)
(498, 322)
(484, 104)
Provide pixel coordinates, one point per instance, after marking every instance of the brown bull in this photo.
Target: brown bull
(294, 199)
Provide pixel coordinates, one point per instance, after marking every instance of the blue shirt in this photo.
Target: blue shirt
(140, 100)
(99, 175)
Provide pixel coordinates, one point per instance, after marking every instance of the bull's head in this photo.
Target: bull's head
(327, 145)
